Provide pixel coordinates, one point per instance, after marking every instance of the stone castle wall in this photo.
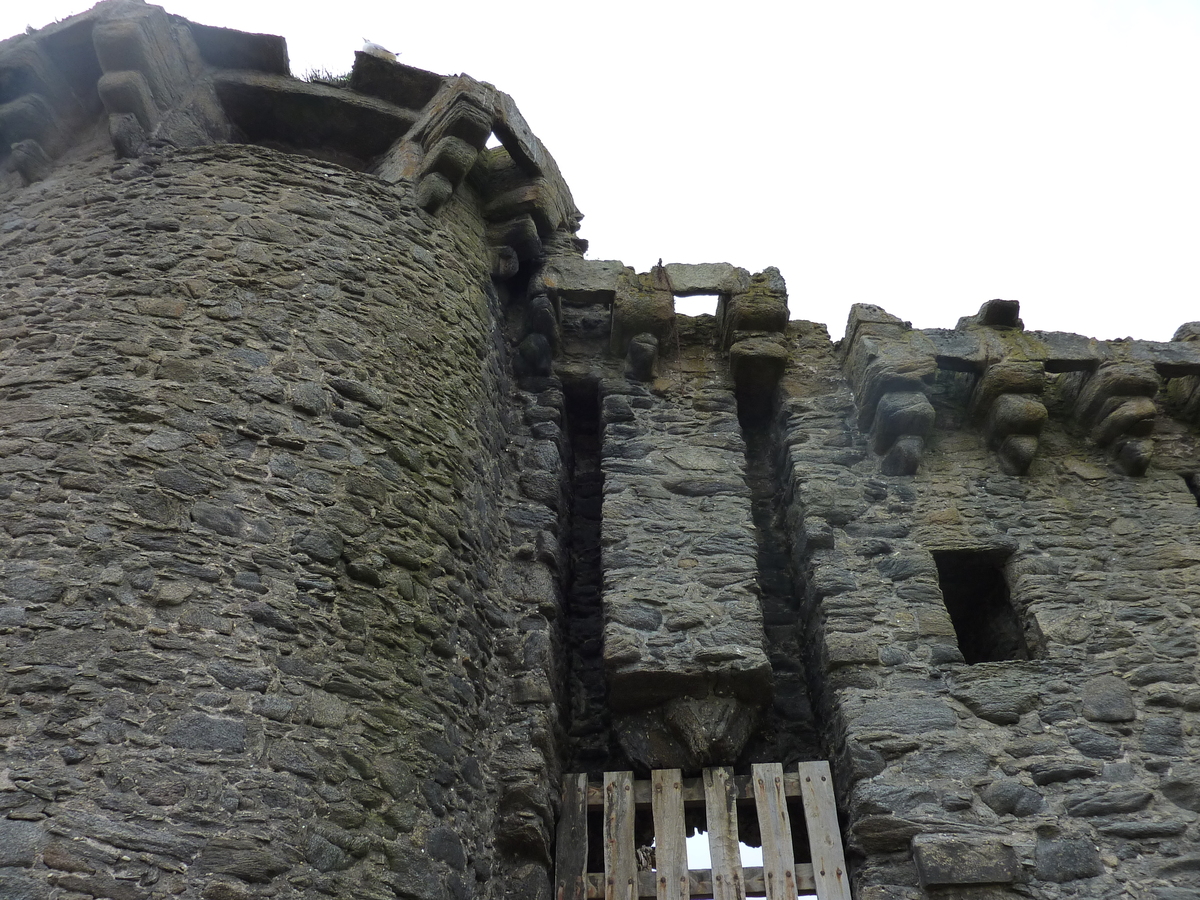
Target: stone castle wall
(344, 506)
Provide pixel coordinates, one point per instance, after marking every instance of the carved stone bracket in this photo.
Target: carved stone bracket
(1007, 402)
(1115, 405)
(153, 82)
(38, 108)
(890, 367)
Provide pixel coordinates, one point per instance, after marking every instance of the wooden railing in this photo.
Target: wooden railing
(669, 878)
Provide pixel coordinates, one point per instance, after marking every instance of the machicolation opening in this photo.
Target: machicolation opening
(696, 304)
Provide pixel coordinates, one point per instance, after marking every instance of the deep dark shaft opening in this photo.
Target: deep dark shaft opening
(589, 721)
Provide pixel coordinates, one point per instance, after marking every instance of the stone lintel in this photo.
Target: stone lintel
(689, 279)
(576, 281)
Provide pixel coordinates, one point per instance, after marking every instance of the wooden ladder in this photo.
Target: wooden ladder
(779, 878)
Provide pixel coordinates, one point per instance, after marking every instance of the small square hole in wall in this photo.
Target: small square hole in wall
(697, 305)
(976, 595)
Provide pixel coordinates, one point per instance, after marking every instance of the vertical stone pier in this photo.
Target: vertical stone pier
(683, 637)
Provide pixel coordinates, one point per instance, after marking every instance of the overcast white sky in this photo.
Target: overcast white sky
(922, 155)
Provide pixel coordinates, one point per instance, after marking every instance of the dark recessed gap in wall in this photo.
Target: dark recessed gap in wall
(788, 731)
(589, 722)
(696, 304)
(1192, 480)
(976, 595)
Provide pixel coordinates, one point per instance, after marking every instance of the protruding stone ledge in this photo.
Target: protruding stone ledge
(576, 281)
(393, 82)
(689, 279)
(762, 305)
(757, 363)
(272, 108)
(228, 48)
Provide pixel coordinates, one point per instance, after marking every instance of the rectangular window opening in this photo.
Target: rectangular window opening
(696, 304)
(976, 595)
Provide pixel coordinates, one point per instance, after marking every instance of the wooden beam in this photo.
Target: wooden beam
(620, 859)
(720, 796)
(670, 850)
(700, 883)
(692, 790)
(571, 844)
(778, 859)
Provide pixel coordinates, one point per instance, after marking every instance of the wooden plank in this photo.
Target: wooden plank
(570, 843)
(720, 801)
(670, 850)
(700, 882)
(693, 791)
(824, 833)
(620, 860)
(778, 859)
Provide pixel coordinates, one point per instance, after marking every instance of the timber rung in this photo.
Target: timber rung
(719, 790)
(700, 882)
(693, 791)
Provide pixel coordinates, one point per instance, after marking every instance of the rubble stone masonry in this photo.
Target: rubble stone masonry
(345, 506)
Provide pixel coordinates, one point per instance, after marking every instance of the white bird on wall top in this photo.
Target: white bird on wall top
(377, 50)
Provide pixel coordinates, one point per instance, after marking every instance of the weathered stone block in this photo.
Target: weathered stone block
(944, 859)
(757, 363)
(20, 842)
(1066, 860)
(1107, 699)
(1008, 797)
(1007, 377)
(639, 306)
(706, 278)
(901, 413)
(453, 158)
(129, 92)
(584, 282)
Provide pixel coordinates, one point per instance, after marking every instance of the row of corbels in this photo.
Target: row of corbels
(752, 315)
(891, 368)
(151, 86)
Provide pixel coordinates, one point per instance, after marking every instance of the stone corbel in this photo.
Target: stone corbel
(442, 146)
(39, 115)
(757, 306)
(643, 304)
(890, 367)
(1007, 401)
(1115, 405)
(1183, 391)
(152, 84)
